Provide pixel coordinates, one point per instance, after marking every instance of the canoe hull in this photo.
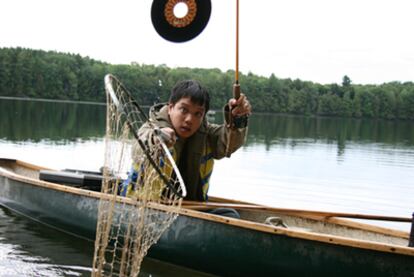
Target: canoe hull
(235, 251)
(208, 245)
(69, 212)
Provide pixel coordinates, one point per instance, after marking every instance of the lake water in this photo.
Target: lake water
(333, 164)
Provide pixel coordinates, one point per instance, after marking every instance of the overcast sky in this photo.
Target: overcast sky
(371, 41)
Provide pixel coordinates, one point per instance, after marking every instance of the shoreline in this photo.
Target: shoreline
(213, 112)
(52, 100)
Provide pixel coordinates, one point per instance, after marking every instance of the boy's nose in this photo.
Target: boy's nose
(188, 118)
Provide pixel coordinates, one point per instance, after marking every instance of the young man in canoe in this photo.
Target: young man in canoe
(196, 142)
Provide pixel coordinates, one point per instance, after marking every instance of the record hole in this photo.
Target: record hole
(180, 10)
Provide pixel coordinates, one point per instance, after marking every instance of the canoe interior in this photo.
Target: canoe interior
(88, 180)
(21, 168)
(323, 227)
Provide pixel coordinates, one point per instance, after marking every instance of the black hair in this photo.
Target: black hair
(192, 89)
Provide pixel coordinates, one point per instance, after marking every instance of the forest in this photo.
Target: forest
(32, 73)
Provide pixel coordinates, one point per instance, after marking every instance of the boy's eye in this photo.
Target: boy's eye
(199, 114)
(183, 110)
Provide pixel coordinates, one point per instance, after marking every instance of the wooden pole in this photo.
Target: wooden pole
(237, 43)
(236, 86)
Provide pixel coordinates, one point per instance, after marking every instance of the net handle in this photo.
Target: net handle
(159, 133)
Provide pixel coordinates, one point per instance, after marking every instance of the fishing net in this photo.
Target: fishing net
(142, 189)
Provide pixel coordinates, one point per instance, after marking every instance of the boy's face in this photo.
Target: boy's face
(186, 117)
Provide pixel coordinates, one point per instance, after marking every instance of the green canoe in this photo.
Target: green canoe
(305, 244)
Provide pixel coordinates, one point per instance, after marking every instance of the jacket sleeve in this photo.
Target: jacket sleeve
(146, 132)
(224, 139)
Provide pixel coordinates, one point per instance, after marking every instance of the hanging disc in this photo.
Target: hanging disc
(177, 28)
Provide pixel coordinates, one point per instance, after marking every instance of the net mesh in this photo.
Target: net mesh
(139, 165)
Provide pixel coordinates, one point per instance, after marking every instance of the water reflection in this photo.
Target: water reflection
(30, 249)
(35, 120)
(271, 129)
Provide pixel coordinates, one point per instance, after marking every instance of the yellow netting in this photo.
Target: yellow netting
(137, 164)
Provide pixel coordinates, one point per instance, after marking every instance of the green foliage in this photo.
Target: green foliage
(346, 81)
(52, 75)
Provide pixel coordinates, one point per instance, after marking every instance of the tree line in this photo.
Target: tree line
(53, 75)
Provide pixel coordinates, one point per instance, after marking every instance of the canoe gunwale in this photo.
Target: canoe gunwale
(260, 227)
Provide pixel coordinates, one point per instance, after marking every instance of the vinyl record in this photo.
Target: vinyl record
(180, 29)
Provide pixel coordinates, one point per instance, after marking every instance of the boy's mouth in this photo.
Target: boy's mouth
(185, 130)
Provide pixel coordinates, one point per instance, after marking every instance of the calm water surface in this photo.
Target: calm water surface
(344, 165)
